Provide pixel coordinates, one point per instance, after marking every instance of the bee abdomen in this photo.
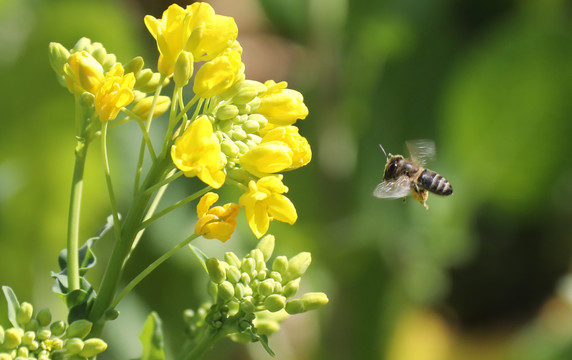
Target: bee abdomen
(434, 182)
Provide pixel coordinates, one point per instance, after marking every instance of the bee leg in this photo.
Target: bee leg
(420, 195)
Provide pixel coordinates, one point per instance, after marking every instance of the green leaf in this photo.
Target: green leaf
(13, 305)
(200, 255)
(151, 338)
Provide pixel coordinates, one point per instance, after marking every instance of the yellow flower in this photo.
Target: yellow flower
(210, 34)
(196, 29)
(218, 222)
(267, 158)
(143, 106)
(115, 91)
(218, 75)
(171, 32)
(301, 151)
(282, 106)
(83, 73)
(264, 202)
(197, 153)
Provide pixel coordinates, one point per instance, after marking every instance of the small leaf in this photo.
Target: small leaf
(13, 305)
(264, 341)
(200, 255)
(151, 338)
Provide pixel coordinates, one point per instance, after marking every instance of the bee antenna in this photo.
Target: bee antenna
(382, 149)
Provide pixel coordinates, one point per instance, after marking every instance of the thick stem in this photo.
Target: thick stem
(129, 231)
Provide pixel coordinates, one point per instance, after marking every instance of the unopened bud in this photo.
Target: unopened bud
(245, 95)
(260, 119)
(43, 334)
(232, 259)
(216, 270)
(298, 265)
(44, 317)
(143, 107)
(81, 44)
(247, 307)
(74, 346)
(291, 288)
(295, 307)
(266, 287)
(226, 112)
(280, 264)
(250, 126)
(22, 353)
(248, 265)
(58, 57)
(13, 338)
(83, 73)
(58, 328)
(274, 302)
(230, 149)
(79, 329)
(233, 274)
(184, 67)
(226, 290)
(32, 325)
(28, 338)
(266, 246)
(134, 66)
(92, 347)
(275, 275)
(314, 300)
(24, 313)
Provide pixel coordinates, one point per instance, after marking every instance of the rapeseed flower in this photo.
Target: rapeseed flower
(282, 106)
(218, 75)
(114, 92)
(82, 73)
(197, 153)
(265, 202)
(216, 222)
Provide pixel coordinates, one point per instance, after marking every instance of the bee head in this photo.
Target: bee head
(393, 162)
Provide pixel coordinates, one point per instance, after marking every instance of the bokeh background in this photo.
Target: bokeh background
(484, 274)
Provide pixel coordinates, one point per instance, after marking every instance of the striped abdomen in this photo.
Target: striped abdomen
(435, 183)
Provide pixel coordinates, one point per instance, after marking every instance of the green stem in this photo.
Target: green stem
(195, 349)
(150, 268)
(168, 180)
(129, 231)
(174, 206)
(80, 152)
(112, 199)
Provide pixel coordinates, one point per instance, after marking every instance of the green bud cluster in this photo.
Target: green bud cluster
(236, 122)
(244, 288)
(37, 337)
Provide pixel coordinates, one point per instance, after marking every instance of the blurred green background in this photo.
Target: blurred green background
(484, 274)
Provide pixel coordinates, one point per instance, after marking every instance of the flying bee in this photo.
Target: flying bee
(403, 176)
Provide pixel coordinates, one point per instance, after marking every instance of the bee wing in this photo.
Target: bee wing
(393, 189)
(421, 151)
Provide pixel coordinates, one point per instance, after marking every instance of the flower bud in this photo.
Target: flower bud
(251, 126)
(314, 300)
(298, 265)
(184, 67)
(226, 112)
(44, 334)
(32, 325)
(44, 317)
(28, 338)
(266, 246)
(291, 288)
(83, 73)
(226, 290)
(240, 291)
(216, 270)
(134, 66)
(57, 328)
(109, 62)
(232, 259)
(4, 356)
(266, 287)
(274, 302)
(22, 353)
(58, 57)
(74, 346)
(295, 307)
(276, 276)
(247, 307)
(143, 107)
(79, 329)
(92, 347)
(81, 44)
(24, 313)
(229, 148)
(260, 119)
(245, 95)
(248, 265)
(13, 338)
(245, 278)
(280, 264)
(233, 274)
(237, 133)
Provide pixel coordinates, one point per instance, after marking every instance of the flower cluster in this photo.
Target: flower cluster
(246, 291)
(40, 338)
(245, 131)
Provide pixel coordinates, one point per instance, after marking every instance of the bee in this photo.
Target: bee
(403, 176)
